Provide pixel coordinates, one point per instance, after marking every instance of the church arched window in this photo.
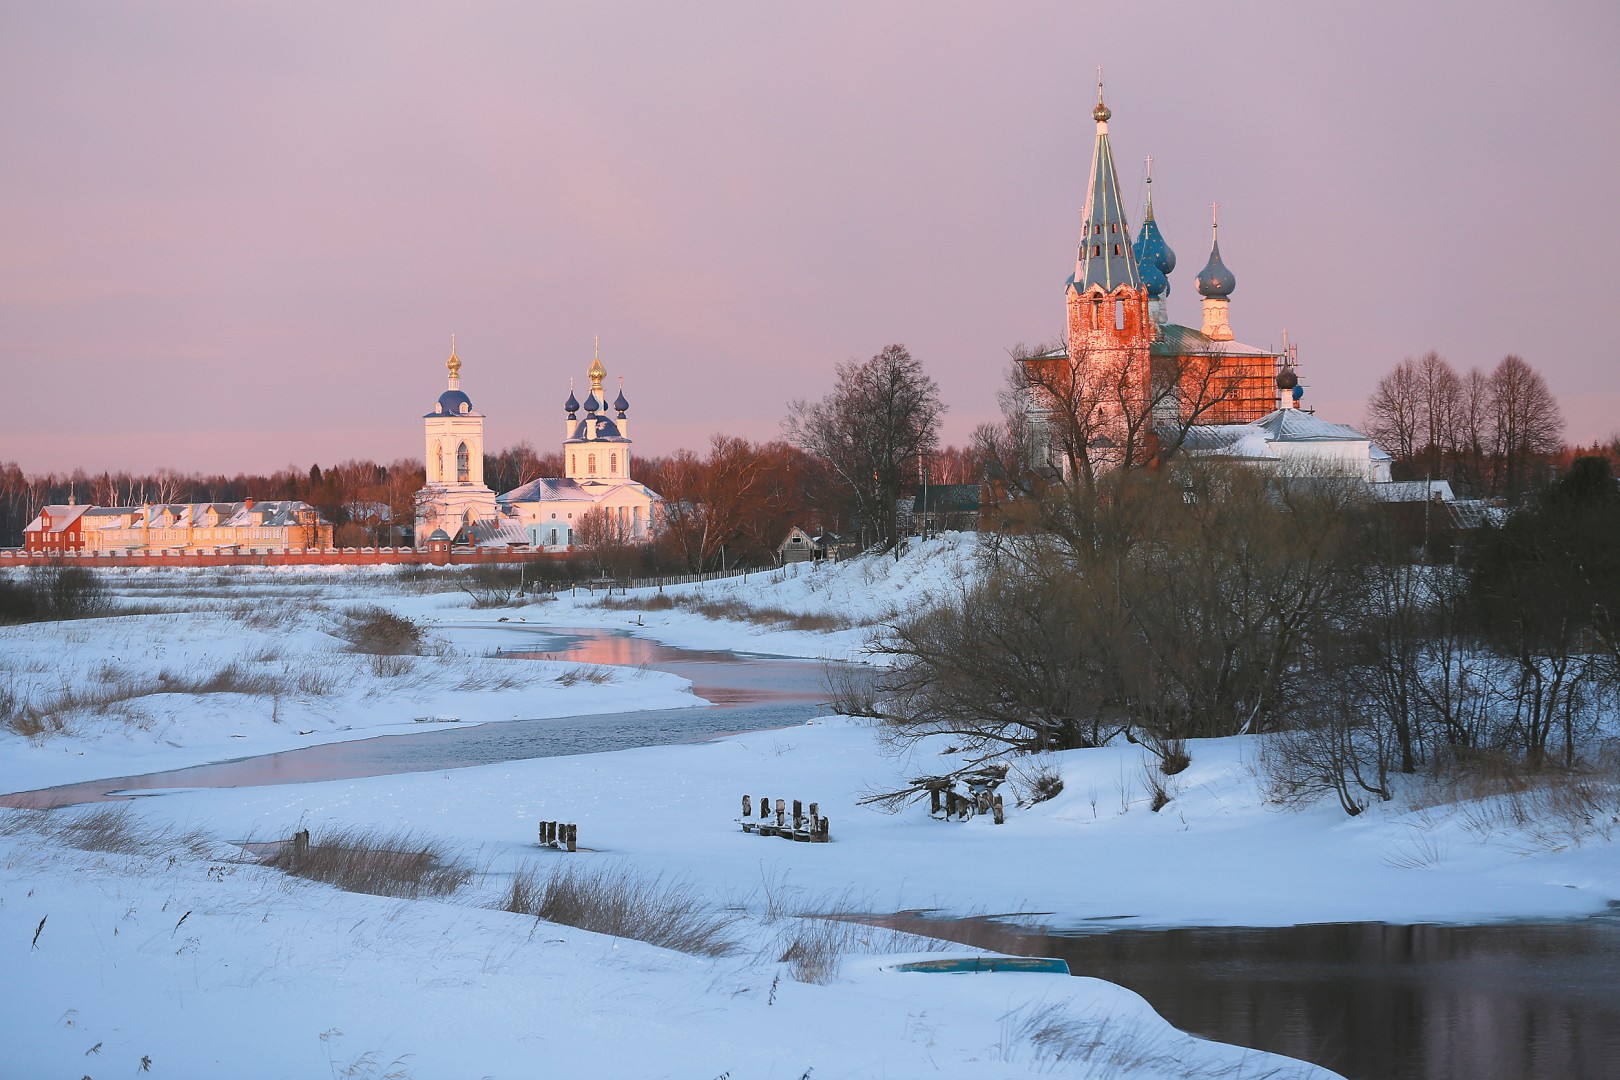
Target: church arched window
(590, 465)
(463, 465)
(438, 471)
(613, 464)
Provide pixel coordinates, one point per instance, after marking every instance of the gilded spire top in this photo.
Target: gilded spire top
(454, 363)
(597, 372)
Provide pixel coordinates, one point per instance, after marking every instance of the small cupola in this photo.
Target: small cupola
(1215, 281)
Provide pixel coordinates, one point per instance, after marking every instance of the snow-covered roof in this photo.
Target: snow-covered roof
(552, 489)
(1255, 438)
(180, 515)
(1403, 491)
(493, 532)
(546, 489)
(61, 517)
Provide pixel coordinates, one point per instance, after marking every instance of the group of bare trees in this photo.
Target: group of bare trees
(1490, 434)
(733, 505)
(1207, 599)
(1160, 606)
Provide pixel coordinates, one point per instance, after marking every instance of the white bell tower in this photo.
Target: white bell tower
(455, 497)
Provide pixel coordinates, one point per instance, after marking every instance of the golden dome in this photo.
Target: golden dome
(597, 372)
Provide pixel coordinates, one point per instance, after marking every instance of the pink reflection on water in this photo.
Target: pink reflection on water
(724, 679)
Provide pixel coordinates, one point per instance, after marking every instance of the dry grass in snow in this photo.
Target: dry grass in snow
(616, 901)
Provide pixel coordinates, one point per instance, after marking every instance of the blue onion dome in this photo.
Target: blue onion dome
(1151, 248)
(592, 404)
(1215, 281)
(453, 402)
(1153, 279)
(621, 403)
(571, 406)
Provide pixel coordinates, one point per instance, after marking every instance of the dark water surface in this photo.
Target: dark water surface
(749, 693)
(1510, 1001)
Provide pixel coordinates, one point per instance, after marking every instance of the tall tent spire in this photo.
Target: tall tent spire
(1105, 257)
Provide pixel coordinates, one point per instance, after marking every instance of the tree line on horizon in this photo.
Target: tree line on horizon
(730, 503)
(844, 461)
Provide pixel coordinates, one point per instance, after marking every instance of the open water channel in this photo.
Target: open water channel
(1372, 1001)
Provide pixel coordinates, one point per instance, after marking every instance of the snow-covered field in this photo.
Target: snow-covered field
(203, 962)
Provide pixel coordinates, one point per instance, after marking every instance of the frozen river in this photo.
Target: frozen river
(1369, 1000)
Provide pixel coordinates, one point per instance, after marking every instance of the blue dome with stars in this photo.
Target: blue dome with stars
(1153, 279)
(1151, 248)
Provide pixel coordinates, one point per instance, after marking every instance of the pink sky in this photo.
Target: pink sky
(234, 237)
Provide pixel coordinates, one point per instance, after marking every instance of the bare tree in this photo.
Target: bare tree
(1439, 398)
(605, 536)
(1392, 411)
(881, 415)
(1527, 424)
(1473, 439)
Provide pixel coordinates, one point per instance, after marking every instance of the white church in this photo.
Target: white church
(544, 514)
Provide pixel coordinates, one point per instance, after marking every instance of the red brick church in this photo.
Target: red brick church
(1126, 380)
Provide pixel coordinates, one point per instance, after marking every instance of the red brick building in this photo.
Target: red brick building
(1126, 378)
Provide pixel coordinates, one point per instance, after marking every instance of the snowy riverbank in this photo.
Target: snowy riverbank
(160, 953)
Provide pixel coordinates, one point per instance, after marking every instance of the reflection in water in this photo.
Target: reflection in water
(1369, 1000)
(748, 694)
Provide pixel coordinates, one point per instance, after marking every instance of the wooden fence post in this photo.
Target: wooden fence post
(573, 837)
(1001, 815)
(933, 802)
(748, 806)
(300, 846)
(798, 815)
(781, 813)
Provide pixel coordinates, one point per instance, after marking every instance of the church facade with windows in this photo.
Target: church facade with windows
(595, 500)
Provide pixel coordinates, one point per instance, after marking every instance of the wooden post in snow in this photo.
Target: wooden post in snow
(1001, 814)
